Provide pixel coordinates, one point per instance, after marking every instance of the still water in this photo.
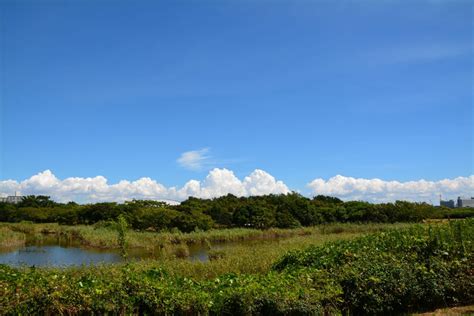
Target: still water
(56, 256)
(53, 251)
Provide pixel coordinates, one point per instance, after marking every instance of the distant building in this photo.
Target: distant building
(449, 204)
(465, 202)
(14, 199)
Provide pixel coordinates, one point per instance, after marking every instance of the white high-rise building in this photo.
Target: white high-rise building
(14, 199)
(465, 202)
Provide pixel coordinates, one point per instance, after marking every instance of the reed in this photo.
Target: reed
(106, 237)
(10, 238)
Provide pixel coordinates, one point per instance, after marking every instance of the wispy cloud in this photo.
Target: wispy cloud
(419, 53)
(195, 159)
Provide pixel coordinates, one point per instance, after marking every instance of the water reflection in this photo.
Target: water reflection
(41, 256)
(55, 251)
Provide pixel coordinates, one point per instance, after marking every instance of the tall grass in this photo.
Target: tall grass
(249, 257)
(10, 238)
(106, 237)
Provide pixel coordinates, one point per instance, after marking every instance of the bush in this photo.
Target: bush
(397, 271)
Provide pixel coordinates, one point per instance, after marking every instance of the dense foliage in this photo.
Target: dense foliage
(283, 211)
(389, 272)
(396, 271)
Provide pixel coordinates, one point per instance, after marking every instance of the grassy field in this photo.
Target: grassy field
(335, 269)
(253, 257)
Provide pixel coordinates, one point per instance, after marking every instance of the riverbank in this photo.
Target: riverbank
(98, 236)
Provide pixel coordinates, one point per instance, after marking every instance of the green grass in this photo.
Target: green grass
(106, 237)
(394, 271)
(252, 257)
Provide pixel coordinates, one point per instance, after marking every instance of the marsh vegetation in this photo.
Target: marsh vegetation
(396, 270)
(231, 245)
(335, 258)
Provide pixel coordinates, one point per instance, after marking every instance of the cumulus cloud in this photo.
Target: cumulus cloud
(194, 159)
(259, 183)
(376, 190)
(221, 181)
(217, 183)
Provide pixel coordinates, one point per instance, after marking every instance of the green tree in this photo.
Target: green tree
(36, 201)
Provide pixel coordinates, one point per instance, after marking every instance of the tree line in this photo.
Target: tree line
(282, 211)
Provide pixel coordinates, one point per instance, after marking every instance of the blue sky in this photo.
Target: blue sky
(300, 89)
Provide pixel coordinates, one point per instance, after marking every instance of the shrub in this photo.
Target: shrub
(398, 270)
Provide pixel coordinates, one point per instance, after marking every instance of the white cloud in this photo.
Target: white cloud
(376, 190)
(220, 182)
(217, 183)
(194, 159)
(260, 183)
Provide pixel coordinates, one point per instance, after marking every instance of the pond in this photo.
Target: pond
(54, 251)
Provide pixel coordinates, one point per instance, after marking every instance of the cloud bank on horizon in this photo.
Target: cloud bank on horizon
(217, 183)
(220, 182)
(377, 190)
